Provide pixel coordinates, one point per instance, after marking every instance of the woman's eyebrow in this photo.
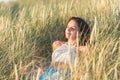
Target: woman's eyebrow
(72, 26)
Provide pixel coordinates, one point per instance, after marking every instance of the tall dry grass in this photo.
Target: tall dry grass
(28, 30)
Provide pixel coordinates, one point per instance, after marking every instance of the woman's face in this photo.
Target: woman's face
(71, 30)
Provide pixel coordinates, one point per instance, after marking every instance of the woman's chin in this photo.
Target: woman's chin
(67, 37)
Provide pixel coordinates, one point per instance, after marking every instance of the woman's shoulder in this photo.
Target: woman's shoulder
(83, 49)
(57, 44)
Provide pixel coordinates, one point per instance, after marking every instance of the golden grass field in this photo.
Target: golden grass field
(28, 29)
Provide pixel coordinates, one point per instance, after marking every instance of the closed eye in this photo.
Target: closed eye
(72, 28)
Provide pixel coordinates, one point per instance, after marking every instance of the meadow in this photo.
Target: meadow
(28, 29)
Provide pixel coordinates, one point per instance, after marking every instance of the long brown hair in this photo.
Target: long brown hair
(84, 29)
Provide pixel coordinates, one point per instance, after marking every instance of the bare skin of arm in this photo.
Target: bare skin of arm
(57, 44)
(82, 49)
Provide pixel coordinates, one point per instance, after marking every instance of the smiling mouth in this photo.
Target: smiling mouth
(68, 33)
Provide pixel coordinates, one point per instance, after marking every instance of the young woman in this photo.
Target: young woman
(64, 52)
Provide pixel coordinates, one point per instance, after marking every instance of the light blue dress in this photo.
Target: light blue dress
(65, 54)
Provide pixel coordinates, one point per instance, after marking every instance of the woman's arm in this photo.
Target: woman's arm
(57, 44)
(81, 50)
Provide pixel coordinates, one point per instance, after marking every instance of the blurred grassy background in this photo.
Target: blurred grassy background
(28, 29)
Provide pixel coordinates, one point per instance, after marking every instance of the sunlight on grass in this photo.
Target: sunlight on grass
(27, 31)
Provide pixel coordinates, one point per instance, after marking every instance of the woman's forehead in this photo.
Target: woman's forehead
(72, 23)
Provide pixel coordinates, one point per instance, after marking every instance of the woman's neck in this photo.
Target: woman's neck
(72, 42)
